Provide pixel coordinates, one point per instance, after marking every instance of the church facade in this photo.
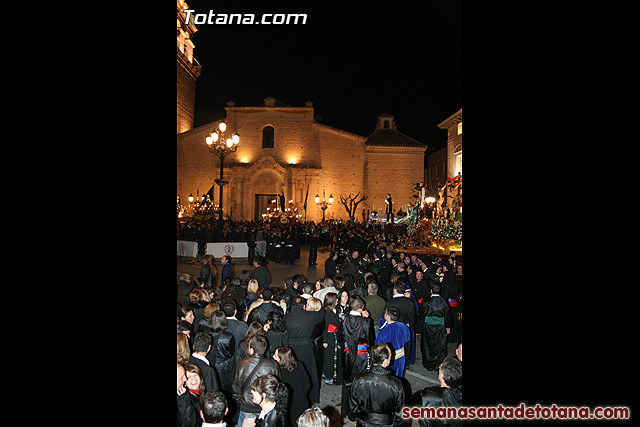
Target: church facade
(188, 69)
(284, 150)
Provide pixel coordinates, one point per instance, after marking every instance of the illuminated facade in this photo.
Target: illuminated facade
(453, 124)
(283, 149)
(188, 69)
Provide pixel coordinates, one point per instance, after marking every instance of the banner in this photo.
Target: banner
(186, 248)
(233, 249)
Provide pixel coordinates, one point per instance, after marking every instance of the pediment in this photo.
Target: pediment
(269, 163)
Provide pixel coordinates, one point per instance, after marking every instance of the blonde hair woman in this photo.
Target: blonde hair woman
(314, 304)
(252, 292)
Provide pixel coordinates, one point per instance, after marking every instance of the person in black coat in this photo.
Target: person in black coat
(357, 338)
(315, 305)
(260, 273)
(301, 325)
(276, 332)
(330, 265)
(332, 354)
(352, 264)
(437, 324)
(223, 347)
(208, 271)
(289, 249)
(450, 291)
(296, 377)
(421, 291)
(449, 394)
(385, 274)
(402, 303)
(377, 397)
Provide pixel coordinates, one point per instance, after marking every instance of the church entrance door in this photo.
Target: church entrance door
(261, 204)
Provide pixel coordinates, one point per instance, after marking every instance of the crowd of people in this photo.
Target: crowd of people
(252, 352)
(327, 234)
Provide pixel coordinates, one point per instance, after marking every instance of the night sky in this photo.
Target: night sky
(353, 61)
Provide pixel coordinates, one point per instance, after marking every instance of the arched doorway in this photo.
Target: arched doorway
(264, 186)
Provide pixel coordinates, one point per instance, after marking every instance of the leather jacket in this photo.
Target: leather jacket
(376, 398)
(436, 397)
(244, 398)
(221, 357)
(270, 420)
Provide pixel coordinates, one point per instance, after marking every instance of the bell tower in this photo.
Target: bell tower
(188, 69)
(386, 121)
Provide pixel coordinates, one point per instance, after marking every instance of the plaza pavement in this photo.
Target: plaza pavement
(417, 376)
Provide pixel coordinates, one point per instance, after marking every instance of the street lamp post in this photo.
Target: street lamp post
(323, 204)
(222, 144)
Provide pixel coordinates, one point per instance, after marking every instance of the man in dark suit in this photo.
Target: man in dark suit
(407, 313)
(201, 346)
(330, 265)
(236, 327)
(260, 273)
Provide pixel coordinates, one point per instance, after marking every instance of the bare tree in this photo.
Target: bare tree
(351, 203)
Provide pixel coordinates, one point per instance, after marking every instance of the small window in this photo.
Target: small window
(459, 128)
(386, 124)
(267, 137)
